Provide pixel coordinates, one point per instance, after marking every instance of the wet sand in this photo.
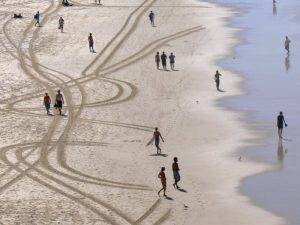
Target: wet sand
(272, 85)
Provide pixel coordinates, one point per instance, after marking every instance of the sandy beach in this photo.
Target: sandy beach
(92, 166)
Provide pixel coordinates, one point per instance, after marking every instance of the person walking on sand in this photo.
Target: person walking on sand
(172, 60)
(37, 19)
(59, 101)
(91, 42)
(47, 103)
(280, 122)
(98, 1)
(176, 174)
(287, 44)
(157, 59)
(164, 60)
(163, 180)
(151, 17)
(157, 136)
(61, 22)
(217, 79)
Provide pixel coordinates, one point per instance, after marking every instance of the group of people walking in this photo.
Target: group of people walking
(163, 59)
(163, 179)
(58, 104)
(175, 167)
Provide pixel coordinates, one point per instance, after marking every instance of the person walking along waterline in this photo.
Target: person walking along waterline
(59, 101)
(172, 60)
(91, 42)
(217, 79)
(157, 136)
(163, 180)
(157, 60)
(37, 19)
(151, 17)
(47, 103)
(176, 174)
(287, 44)
(61, 22)
(164, 60)
(280, 122)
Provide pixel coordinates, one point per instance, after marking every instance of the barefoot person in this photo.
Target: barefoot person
(61, 22)
(157, 60)
(37, 19)
(176, 174)
(151, 17)
(163, 180)
(59, 101)
(47, 103)
(217, 79)
(164, 60)
(157, 137)
(287, 44)
(91, 42)
(280, 122)
(172, 60)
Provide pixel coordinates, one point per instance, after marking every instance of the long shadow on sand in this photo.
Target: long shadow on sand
(163, 155)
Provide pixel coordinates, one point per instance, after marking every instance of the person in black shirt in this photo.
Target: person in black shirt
(164, 60)
(280, 122)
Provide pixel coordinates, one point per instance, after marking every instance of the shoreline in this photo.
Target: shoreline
(95, 164)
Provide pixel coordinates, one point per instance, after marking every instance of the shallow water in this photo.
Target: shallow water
(272, 85)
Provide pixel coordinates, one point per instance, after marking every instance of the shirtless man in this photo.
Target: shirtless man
(59, 101)
(163, 180)
(287, 44)
(217, 79)
(176, 174)
(157, 137)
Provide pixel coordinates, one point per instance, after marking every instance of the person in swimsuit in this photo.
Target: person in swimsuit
(47, 103)
(176, 174)
(59, 101)
(157, 137)
(157, 59)
(217, 79)
(280, 122)
(163, 180)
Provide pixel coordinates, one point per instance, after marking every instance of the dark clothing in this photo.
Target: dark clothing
(280, 121)
(59, 104)
(172, 58)
(163, 58)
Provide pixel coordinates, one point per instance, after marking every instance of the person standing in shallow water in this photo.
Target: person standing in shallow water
(280, 122)
(157, 60)
(217, 79)
(163, 180)
(47, 103)
(176, 174)
(287, 44)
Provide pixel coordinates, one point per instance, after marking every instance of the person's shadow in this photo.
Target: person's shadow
(182, 190)
(162, 155)
(220, 90)
(274, 9)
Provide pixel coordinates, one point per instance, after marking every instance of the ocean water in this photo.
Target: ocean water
(272, 84)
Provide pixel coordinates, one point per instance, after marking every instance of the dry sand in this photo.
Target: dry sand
(91, 166)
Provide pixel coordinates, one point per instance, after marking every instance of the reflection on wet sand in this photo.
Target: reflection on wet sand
(281, 152)
(287, 62)
(274, 9)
